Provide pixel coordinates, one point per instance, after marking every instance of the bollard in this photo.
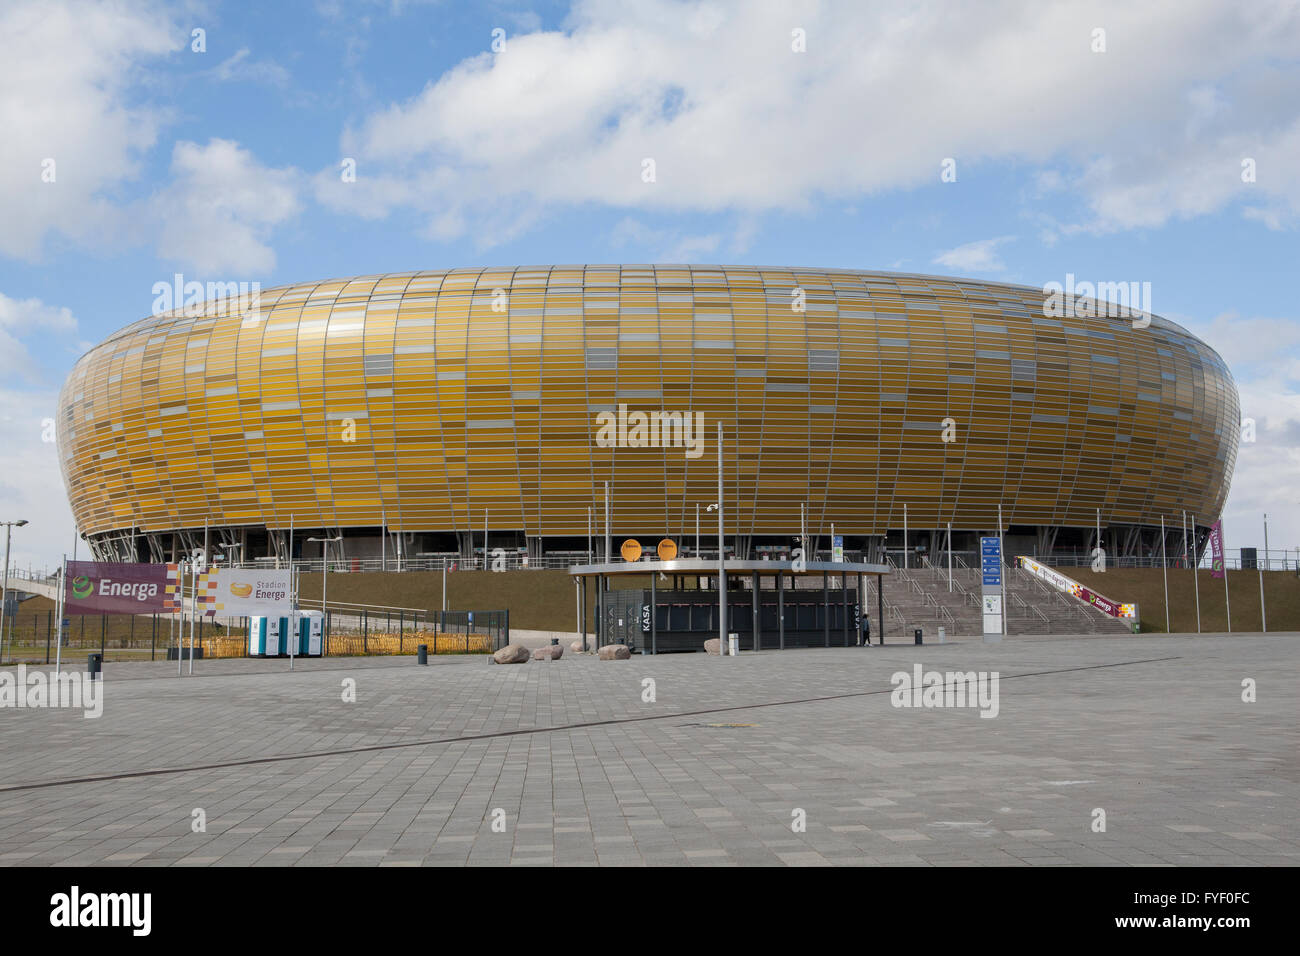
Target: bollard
(943, 635)
(422, 654)
(917, 635)
(94, 665)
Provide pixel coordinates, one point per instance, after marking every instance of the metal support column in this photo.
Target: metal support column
(880, 605)
(862, 608)
(654, 626)
(844, 587)
(758, 633)
(780, 610)
(583, 614)
(826, 608)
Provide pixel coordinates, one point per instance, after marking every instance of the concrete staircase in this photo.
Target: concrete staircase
(920, 597)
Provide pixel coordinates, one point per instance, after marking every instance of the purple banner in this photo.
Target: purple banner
(1216, 549)
(105, 587)
(1096, 600)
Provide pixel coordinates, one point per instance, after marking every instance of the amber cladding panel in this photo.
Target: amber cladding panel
(419, 401)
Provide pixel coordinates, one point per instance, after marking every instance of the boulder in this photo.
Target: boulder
(615, 652)
(551, 652)
(711, 645)
(512, 654)
(576, 647)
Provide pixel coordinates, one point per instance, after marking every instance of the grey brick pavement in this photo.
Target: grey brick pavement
(1186, 772)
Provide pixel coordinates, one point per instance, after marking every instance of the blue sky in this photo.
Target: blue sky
(1115, 164)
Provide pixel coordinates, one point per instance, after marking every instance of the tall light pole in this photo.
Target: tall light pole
(1263, 617)
(1002, 573)
(722, 561)
(61, 606)
(180, 633)
(4, 589)
(905, 534)
(1267, 566)
(1196, 580)
(324, 614)
(697, 530)
(1164, 570)
(803, 532)
(949, 555)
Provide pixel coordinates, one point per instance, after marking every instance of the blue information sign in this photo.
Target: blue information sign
(991, 561)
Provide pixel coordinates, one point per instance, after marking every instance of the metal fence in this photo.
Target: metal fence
(443, 632)
(30, 638)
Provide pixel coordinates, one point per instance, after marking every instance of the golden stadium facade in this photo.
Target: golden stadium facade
(428, 404)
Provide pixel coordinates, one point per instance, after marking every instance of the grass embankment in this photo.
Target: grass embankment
(1146, 587)
(536, 600)
(544, 600)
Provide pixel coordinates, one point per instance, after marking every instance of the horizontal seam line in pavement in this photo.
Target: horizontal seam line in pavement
(470, 738)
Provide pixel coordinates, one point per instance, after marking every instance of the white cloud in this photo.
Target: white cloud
(26, 319)
(978, 256)
(67, 72)
(221, 207)
(1264, 356)
(31, 485)
(71, 78)
(239, 67)
(1153, 129)
(662, 245)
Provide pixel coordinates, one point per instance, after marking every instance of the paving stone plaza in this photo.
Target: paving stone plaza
(566, 762)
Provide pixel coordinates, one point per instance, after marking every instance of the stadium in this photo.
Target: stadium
(408, 415)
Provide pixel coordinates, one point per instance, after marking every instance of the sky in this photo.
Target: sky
(1006, 140)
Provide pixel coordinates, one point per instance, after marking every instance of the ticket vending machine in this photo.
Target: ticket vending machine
(310, 634)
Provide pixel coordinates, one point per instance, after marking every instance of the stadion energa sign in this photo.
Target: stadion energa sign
(231, 592)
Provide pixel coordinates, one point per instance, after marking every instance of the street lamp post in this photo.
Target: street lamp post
(4, 588)
(722, 561)
(324, 613)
